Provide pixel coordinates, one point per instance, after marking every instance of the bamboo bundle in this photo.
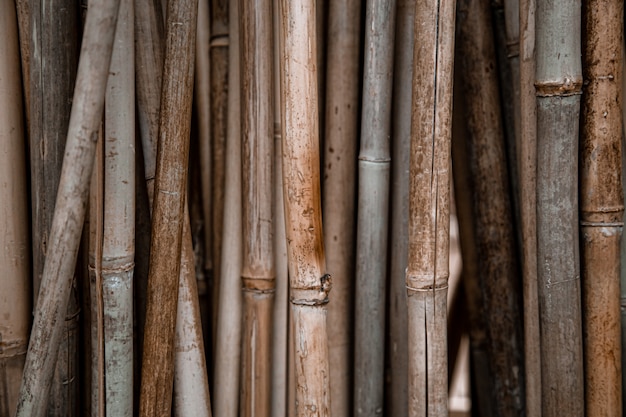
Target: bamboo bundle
(308, 281)
(14, 256)
(558, 85)
(340, 147)
(429, 207)
(602, 204)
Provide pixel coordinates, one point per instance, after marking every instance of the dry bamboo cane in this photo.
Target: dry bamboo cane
(228, 341)
(493, 214)
(558, 82)
(512, 25)
(67, 224)
(258, 275)
(309, 284)
(373, 195)
(429, 207)
(23, 24)
(340, 148)
(14, 256)
(602, 204)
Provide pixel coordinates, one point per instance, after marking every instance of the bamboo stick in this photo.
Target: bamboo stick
(340, 149)
(308, 282)
(23, 25)
(14, 257)
(558, 85)
(602, 204)
(373, 195)
(429, 209)
(70, 207)
(512, 30)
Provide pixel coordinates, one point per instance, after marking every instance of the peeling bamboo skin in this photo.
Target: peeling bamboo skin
(602, 205)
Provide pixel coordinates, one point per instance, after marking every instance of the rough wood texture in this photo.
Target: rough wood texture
(558, 85)
(602, 204)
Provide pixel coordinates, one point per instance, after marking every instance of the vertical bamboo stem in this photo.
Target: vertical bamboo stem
(602, 204)
(23, 25)
(429, 207)
(558, 85)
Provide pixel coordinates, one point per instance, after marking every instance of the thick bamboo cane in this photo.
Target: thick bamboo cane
(373, 195)
(429, 207)
(14, 241)
(602, 204)
(308, 281)
(493, 214)
(67, 224)
(558, 82)
(340, 149)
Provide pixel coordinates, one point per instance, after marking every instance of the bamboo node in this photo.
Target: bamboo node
(512, 49)
(429, 288)
(219, 41)
(259, 285)
(561, 88)
(312, 296)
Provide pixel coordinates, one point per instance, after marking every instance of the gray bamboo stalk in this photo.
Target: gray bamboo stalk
(429, 207)
(373, 195)
(340, 150)
(14, 240)
(258, 274)
(558, 82)
(86, 115)
(602, 204)
(309, 283)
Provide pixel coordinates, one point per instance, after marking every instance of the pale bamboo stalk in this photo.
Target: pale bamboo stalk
(493, 214)
(228, 340)
(602, 204)
(373, 195)
(309, 284)
(338, 202)
(14, 240)
(168, 211)
(558, 82)
(429, 207)
(67, 224)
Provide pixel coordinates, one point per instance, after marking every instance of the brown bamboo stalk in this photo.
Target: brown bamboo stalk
(309, 282)
(429, 207)
(168, 214)
(340, 148)
(14, 257)
(602, 204)
(23, 24)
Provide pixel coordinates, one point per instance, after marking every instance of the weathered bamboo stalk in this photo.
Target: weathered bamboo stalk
(23, 25)
(14, 241)
(67, 224)
(558, 82)
(309, 282)
(512, 30)
(340, 149)
(429, 207)
(373, 195)
(602, 204)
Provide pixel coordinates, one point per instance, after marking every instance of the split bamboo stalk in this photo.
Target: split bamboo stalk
(168, 211)
(602, 204)
(340, 150)
(309, 284)
(14, 239)
(373, 206)
(429, 207)
(228, 341)
(67, 224)
(493, 214)
(258, 274)
(558, 82)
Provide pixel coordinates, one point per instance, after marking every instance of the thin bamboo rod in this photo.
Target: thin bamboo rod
(602, 204)
(429, 207)
(309, 284)
(340, 151)
(14, 239)
(23, 25)
(558, 82)
(512, 30)
(67, 223)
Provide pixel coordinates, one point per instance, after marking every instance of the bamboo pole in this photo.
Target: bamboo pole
(558, 85)
(429, 208)
(373, 195)
(512, 31)
(14, 256)
(23, 25)
(308, 281)
(340, 149)
(602, 204)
